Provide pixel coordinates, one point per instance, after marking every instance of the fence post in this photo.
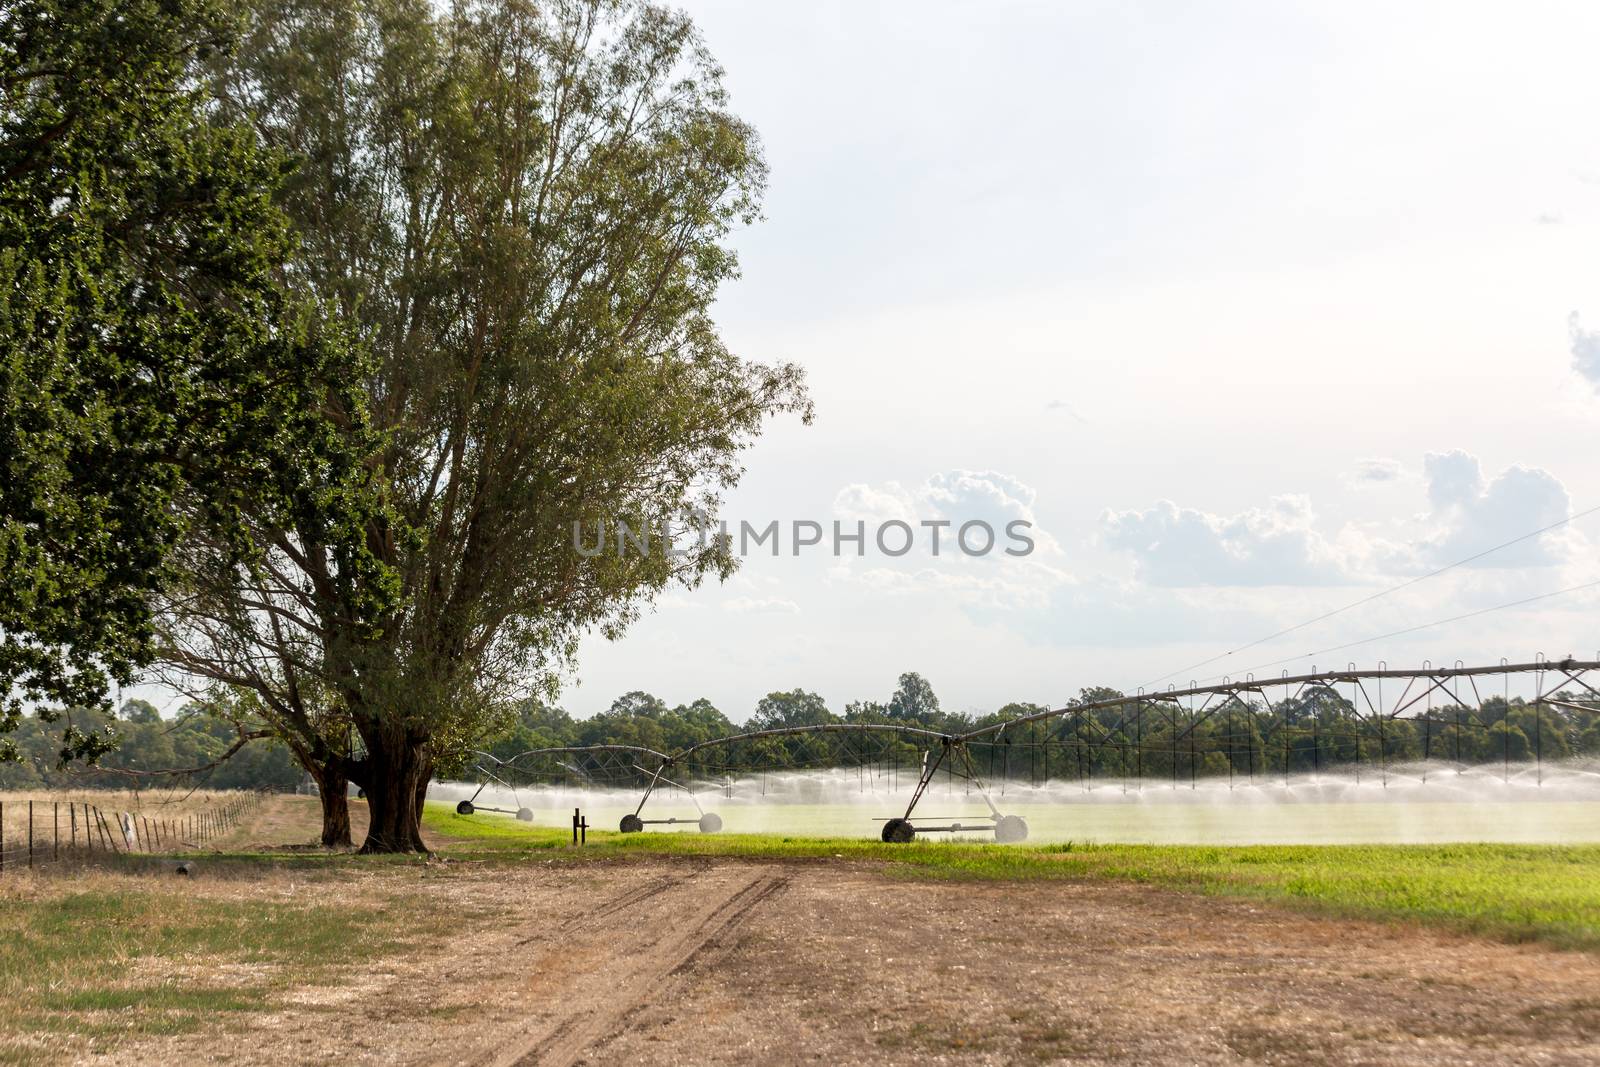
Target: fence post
(30, 835)
(2, 837)
(55, 830)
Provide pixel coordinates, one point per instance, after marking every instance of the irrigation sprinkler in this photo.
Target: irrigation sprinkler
(1007, 829)
(709, 822)
(469, 806)
(1218, 724)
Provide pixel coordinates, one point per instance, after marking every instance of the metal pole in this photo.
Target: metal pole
(30, 835)
(1383, 741)
(1505, 728)
(1230, 746)
(1138, 741)
(55, 830)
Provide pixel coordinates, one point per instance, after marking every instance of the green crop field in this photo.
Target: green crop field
(1157, 818)
(1517, 892)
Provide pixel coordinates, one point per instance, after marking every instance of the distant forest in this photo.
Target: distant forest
(1318, 730)
(147, 743)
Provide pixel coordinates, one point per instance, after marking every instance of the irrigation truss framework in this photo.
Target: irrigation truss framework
(1373, 715)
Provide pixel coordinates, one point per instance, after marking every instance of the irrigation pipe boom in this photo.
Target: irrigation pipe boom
(1172, 708)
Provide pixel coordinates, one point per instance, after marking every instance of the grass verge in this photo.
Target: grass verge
(1547, 893)
(119, 956)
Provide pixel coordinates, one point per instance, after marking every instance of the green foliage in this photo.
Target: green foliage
(154, 380)
(522, 213)
(633, 719)
(793, 708)
(195, 738)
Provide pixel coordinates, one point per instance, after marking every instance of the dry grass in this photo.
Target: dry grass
(54, 812)
(91, 958)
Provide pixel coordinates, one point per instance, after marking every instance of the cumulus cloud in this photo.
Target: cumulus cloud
(1282, 544)
(1585, 350)
(992, 582)
(1473, 515)
(955, 497)
(1273, 545)
(875, 504)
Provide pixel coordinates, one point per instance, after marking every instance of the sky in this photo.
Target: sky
(1252, 310)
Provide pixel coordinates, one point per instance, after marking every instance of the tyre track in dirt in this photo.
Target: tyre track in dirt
(632, 898)
(611, 995)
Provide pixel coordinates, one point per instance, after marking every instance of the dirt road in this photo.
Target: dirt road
(733, 962)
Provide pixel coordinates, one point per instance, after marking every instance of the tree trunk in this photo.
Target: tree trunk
(334, 789)
(397, 772)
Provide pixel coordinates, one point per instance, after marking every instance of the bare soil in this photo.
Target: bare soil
(713, 961)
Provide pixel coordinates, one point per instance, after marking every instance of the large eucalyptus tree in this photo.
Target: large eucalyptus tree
(521, 211)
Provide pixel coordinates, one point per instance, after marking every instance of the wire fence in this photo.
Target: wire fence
(56, 830)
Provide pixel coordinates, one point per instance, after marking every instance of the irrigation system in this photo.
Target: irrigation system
(1254, 726)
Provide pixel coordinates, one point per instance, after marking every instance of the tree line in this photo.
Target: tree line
(1320, 729)
(149, 748)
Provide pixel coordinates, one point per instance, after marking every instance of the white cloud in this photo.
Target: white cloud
(1376, 472)
(994, 582)
(1472, 515)
(1585, 350)
(951, 497)
(1273, 545)
(1281, 543)
(874, 504)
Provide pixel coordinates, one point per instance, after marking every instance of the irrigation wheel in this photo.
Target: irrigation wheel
(465, 808)
(524, 814)
(899, 831)
(1009, 829)
(632, 824)
(710, 822)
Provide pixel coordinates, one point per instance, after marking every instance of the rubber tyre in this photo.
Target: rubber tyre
(465, 808)
(710, 822)
(899, 831)
(632, 824)
(1010, 829)
(524, 814)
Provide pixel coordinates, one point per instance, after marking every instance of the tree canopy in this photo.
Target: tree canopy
(154, 376)
(521, 212)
